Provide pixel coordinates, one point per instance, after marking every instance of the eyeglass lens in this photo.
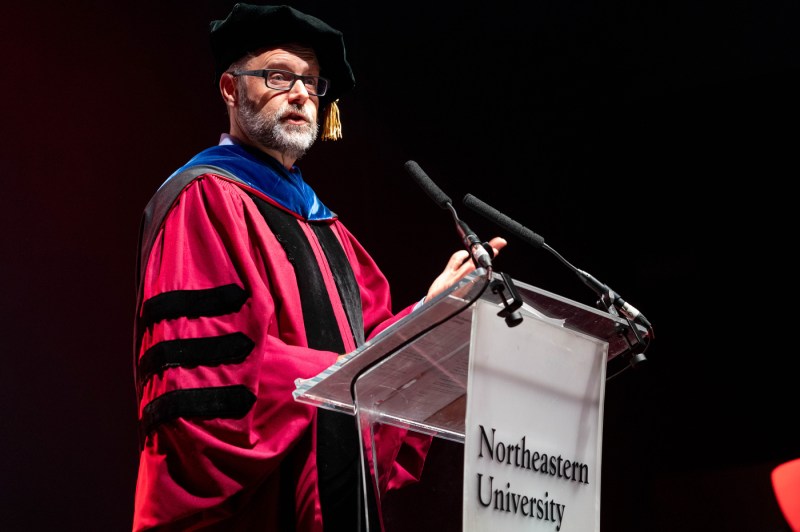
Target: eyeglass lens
(285, 80)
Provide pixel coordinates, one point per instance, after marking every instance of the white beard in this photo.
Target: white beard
(290, 139)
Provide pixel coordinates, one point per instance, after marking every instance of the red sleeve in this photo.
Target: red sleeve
(401, 456)
(215, 237)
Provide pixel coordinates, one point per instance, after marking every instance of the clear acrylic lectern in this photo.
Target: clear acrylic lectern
(417, 376)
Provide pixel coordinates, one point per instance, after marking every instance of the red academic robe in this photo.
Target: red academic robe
(231, 470)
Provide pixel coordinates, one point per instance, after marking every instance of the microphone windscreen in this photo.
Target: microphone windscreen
(427, 184)
(503, 221)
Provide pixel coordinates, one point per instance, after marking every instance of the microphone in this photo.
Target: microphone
(607, 295)
(430, 188)
(503, 221)
(480, 255)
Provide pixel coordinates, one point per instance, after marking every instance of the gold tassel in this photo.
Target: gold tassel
(332, 125)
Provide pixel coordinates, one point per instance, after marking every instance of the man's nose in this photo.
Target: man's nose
(298, 92)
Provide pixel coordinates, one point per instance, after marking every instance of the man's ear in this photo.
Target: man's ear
(227, 88)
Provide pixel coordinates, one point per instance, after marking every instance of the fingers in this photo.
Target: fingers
(458, 260)
(459, 266)
(497, 244)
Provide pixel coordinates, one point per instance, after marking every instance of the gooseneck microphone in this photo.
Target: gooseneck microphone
(607, 296)
(480, 255)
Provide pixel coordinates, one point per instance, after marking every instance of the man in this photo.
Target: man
(247, 281)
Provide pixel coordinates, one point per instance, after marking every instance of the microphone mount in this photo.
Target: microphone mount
(511, 303)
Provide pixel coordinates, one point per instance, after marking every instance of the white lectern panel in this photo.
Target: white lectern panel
(533, 434)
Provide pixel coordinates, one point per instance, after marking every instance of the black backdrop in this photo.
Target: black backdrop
(652, 144)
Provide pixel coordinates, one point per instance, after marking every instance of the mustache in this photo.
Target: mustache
(288, 109)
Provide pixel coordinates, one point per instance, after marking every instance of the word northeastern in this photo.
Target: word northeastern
(499, 497)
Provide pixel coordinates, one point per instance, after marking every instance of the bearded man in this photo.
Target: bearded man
(247, 282)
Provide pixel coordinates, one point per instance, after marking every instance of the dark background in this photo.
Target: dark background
(651, 143)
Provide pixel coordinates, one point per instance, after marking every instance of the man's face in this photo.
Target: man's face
(285, 121)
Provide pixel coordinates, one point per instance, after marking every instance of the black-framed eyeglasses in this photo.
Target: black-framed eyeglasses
(283, 80)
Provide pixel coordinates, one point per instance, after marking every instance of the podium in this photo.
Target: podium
(515, 374)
